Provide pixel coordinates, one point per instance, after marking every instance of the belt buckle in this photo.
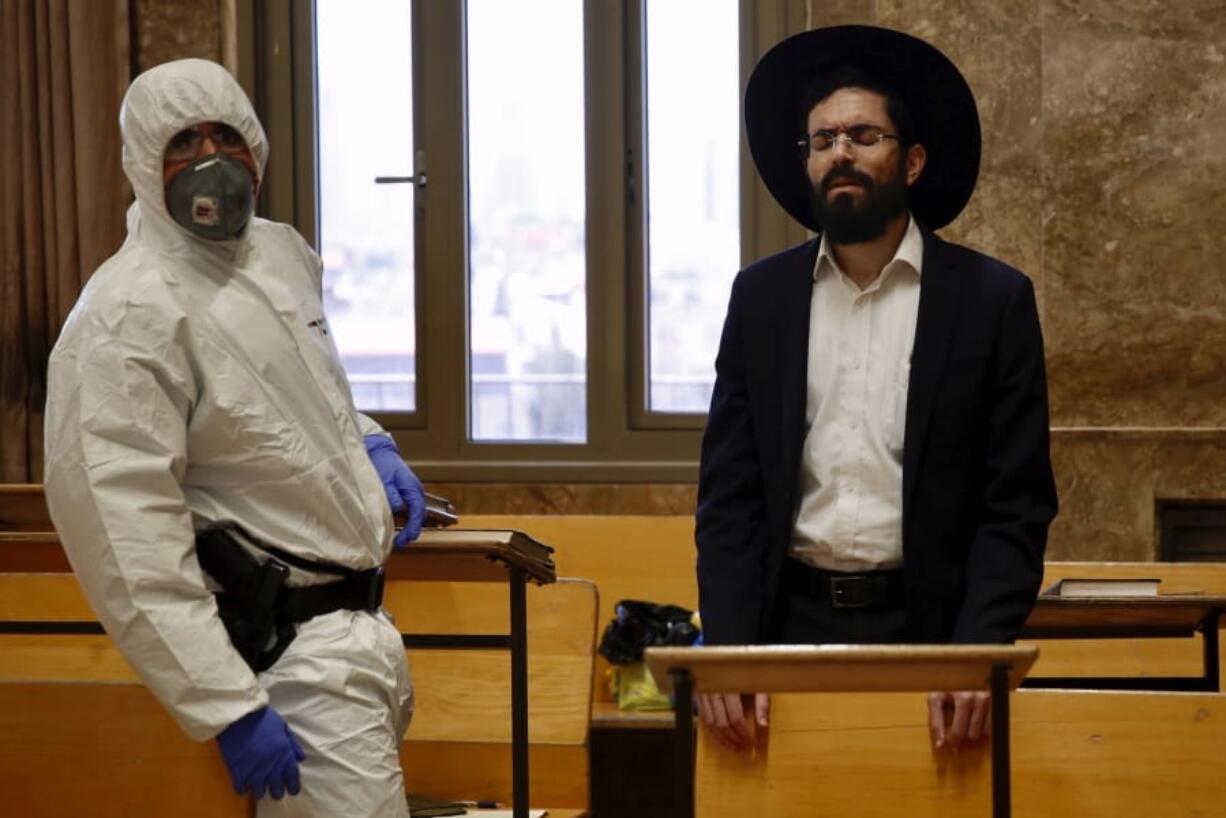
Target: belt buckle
(374, 591)
(841, 593)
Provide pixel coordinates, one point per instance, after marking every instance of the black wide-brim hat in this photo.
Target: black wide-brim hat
(940, 101)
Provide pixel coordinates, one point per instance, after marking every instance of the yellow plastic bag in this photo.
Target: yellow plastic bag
(634, 688)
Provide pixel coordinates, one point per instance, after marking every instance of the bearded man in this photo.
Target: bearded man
(875, 467)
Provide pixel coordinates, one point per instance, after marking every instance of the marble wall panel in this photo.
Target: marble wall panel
(1191, 467)
(1134, 211)
(173, 29)
(1106, 490)
(997, 47)
(824, 13)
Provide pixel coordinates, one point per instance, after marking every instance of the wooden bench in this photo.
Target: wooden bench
(652, 558)
(1131, 658)
(458, 746)
(635, 557)
(1124, 755)
(62, 695)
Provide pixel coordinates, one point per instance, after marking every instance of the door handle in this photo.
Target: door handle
(418, 179)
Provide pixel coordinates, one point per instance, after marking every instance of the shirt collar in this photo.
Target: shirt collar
(910, 253)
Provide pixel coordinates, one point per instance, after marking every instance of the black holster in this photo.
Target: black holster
(258, 609)
(250, 601)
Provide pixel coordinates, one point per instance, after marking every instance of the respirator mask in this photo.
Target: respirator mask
(213, 197)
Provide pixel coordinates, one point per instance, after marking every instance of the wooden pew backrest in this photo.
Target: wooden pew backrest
(652, 558)
(458, 745)
(628, 557)
(104, 751)
(1177, 577)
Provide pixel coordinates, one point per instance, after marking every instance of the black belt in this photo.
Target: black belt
(361, 592)
(233, 568)
(865, 589)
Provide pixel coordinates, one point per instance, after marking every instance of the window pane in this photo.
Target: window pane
(366, 230)
(693, 194)
(527, 298)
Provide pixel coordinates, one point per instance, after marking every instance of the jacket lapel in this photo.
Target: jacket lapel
(793, 314)
(940, 291)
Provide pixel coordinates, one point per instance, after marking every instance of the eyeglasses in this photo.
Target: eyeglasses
(186, 144)
(862, 136)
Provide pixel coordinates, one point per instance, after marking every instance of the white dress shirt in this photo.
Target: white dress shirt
(849, 517)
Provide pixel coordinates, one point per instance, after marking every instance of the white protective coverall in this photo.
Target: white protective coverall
(195, 382)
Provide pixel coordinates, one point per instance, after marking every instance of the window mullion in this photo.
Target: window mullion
(606, 225)
(441, 221)
(635, 206)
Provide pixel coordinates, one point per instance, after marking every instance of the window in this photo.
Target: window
(365, 208)
(527, 260)
(692, 195)
(530, 215)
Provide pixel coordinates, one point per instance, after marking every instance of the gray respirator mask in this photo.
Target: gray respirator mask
(212, 197)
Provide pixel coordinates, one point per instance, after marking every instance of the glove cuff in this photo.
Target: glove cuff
(239, 730)
(378, 443)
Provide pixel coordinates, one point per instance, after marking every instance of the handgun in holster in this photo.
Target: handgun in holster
(249, 602)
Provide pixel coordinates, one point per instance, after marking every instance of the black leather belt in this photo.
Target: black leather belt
(869, 589)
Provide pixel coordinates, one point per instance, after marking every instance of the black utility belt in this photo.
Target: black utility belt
(363, 592)
(258, 609)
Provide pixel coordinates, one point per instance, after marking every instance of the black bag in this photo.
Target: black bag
(639, 624)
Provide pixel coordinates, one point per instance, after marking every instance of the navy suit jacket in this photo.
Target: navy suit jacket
(978, 493)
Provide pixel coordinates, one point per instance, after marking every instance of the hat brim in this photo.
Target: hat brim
(940, 101)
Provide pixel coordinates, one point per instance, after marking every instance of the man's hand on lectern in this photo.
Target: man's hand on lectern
(958, 717)
(727, 716)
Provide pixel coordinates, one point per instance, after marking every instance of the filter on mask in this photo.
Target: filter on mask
(213, 197)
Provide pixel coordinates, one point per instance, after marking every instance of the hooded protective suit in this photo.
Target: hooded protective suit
(195, 382)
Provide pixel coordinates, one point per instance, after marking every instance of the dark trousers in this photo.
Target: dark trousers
(813, 611)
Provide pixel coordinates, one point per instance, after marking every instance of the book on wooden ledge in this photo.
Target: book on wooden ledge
(1104, 588)
(423, 806)
(524, 544)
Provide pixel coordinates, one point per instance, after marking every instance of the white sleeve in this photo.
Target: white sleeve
(120, 397)
(368, 426)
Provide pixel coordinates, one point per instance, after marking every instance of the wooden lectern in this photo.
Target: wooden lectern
(470, 555)
(841, 668)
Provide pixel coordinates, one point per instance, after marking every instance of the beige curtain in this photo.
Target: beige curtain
(64, 66)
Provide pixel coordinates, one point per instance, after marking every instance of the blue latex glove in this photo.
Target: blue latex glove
(402, 486)
(262, 755)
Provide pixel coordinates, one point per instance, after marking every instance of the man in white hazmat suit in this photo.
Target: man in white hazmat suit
(195, 385)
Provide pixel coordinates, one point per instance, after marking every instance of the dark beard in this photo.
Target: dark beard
(843, 221)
